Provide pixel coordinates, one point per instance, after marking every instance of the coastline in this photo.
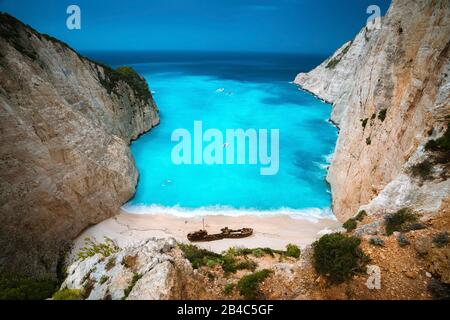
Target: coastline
(274, 231)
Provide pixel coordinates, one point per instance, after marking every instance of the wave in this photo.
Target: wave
(310, 214)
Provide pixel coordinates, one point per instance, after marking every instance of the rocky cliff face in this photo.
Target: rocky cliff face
(390, 91)
(66, 124)
(151, 270)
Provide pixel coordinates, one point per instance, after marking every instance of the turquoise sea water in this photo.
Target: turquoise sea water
(230, 92)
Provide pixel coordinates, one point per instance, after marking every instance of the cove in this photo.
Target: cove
(233, 91)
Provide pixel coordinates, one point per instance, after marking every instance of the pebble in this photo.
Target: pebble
(428, 274)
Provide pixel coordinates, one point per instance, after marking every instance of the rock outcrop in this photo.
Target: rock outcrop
(66, 123)
(151, 270)
(390, 90)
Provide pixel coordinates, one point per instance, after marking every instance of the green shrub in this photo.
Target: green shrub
(228, 289)
(245, 265)
(248, 285)
(129, 76)
(258, 252)
(110, 264)
(382, 115)
(422, 170)
(361, 215)
(410, 226)
(198, 257)
(14, 287)
(395, 221)
(338, 257)
(350, 224)
(201, 257)
(335, 61)
(439, 290)
(441, 144)
(103, 279)
(91, 248)
(441, 239)
(368, 141)
(68, 294)
(130, 287)
(402, 240)
(292, 251)
(376, 241)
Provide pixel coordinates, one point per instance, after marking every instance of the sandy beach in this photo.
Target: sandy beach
(270, 231)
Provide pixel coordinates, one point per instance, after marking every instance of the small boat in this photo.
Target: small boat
(226, 233)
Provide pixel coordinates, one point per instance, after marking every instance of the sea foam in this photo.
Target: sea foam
(310, 214)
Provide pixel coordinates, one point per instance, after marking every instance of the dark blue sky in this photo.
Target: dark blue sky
(306, 26)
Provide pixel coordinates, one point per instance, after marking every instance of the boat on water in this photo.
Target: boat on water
(226, 233)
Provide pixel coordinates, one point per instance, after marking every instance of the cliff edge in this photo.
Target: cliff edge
(66, 124)
(390, 92)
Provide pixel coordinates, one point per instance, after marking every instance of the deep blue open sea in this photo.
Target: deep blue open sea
(231, 91)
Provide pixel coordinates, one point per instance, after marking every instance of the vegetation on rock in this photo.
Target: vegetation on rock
(441, 239)
(14, 287)
(376, 241)
(130, 287)
(68, 294)
(338, 257)
(350, 224)
(228, 289)
(228, 260)
(91, 248)
(441, 144)
(402, 240)
(257, 252)
(422, 170)
(396, 221)
(248, 285)
(335, 61)
(361, 215)
(129, 76)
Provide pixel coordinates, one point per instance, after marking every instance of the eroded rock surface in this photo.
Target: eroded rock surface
(66, 124)
(390, 91)
(151, 270)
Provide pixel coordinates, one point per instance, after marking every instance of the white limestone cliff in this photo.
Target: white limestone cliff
(390, 94)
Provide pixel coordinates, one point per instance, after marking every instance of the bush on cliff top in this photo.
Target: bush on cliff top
(128, 75)
(338, 257)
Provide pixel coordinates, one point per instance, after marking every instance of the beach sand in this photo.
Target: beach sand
(269, 231)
